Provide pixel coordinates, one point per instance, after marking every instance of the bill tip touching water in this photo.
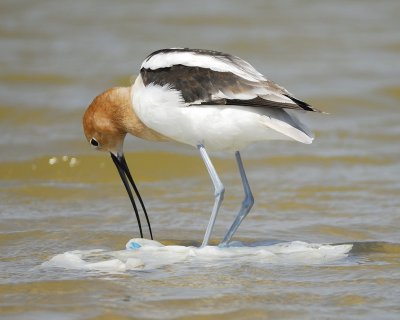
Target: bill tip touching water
(206, 99)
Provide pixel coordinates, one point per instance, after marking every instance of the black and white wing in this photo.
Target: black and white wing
(205, 77)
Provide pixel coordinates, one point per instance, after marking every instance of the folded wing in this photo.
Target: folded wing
(205, 77)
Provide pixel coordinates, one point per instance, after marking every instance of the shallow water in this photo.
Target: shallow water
(58, 196)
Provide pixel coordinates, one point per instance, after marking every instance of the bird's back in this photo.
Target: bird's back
(193, 96)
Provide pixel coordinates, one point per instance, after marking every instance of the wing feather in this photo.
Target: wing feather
(205, 77)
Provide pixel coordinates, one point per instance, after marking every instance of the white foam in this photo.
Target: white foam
(143, 254)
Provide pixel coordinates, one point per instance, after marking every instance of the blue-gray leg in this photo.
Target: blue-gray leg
(219, 192)
(246, 204)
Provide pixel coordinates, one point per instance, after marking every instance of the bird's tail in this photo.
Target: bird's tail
(287, 123)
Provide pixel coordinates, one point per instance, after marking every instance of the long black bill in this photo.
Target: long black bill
(125, 175)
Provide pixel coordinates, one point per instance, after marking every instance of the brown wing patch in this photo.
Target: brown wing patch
(195, 83)
(198, 86)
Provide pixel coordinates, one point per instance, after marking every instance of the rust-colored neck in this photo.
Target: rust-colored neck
(110, 117)
(122, 113)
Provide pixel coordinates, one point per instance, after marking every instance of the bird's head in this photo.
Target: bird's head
(106, 122)
(103, 120)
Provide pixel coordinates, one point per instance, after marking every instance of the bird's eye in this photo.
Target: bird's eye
(94, 142)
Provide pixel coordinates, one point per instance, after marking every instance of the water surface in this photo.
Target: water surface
(59, 196)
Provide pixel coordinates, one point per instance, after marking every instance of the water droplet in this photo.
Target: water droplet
(53, 161)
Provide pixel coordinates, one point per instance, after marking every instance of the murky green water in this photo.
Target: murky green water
(58, 195)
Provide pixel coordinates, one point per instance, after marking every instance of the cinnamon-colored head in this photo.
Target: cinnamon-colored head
(106, 122)
(102, 123)
(110, 117)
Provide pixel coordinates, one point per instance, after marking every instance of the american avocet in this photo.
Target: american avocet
(207, 99)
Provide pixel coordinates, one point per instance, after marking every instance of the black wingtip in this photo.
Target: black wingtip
(302, 104)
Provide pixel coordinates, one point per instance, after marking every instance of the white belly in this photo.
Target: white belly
(216, 127)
